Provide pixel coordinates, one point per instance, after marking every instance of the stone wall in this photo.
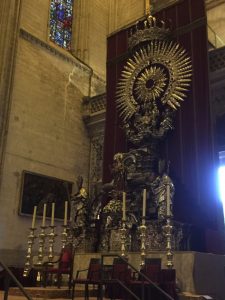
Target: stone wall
(124, 12)
(94, 20)
(216, 21)
(45, 132)
(90, 30)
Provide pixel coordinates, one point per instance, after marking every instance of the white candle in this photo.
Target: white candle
(65, 213)
(168, 200)
(144, 204)
(53, 213)
(44, 215)
(34, 217)
(124, 206)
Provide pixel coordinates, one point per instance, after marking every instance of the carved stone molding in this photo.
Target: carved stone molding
(213, 3)
(158, 5)
(217, 81)
(96, 159)
(65, 56)
(32, 39)
(218, 102)
(217, 59)
(94, 105)
(94, 114)
(94, 117)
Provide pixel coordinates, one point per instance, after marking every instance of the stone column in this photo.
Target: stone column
(9, 28)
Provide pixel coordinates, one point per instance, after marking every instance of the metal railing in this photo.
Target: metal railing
(140, 274)
(8, 276)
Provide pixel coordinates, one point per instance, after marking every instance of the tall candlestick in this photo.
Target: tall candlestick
(168, 212)
(53, 213)
(44, 215)
(147, 7)
(124, 206)
(34, 217)
(65, 213)
(144, 204)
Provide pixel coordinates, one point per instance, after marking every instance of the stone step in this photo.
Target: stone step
(63, 293)
(23, 298)
(50, 292)
(190, 296)
(40, 292)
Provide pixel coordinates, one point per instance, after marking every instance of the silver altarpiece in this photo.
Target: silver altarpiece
(133, 212)
(151, 88)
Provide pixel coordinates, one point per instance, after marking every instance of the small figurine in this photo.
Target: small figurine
(162, 188)
(78, 204)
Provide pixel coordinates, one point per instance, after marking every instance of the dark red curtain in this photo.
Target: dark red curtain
(190, 147)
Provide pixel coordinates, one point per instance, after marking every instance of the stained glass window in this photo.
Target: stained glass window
(61, 13)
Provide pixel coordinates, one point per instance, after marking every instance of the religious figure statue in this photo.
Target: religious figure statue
(163, 191)
(119, 172)
(78, 204)
(150, 125)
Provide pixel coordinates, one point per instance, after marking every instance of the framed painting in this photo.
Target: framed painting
(37, 189)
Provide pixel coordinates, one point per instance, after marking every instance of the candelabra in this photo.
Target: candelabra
(168, 229)
(123, 236)
(51, 241)
(142, 230)
(30, 242)
(42, 236)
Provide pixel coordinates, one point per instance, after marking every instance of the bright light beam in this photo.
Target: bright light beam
(221, 173)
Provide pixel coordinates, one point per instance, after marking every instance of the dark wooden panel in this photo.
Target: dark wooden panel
(170, 14)
(202, 122)
(111, 47)
(120, 138)
(121, 45)
(110, 120)
(183, 15)
(197, 9)
(114, 137)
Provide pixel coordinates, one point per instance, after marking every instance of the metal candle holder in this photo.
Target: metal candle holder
(30, 242)
(142, 230)
(51, 241)
(168, 229)
(69, 233)
(42, 235)
(123, 236)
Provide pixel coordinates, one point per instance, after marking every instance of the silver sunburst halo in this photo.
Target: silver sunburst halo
(168, 67)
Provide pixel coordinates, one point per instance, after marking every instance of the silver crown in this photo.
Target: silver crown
(147, 30)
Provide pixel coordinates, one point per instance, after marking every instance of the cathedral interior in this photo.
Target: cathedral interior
(112, 144)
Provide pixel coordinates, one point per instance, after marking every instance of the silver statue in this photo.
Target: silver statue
(162, 188)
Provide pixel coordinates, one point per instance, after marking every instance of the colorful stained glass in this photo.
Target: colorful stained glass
(61, 13)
